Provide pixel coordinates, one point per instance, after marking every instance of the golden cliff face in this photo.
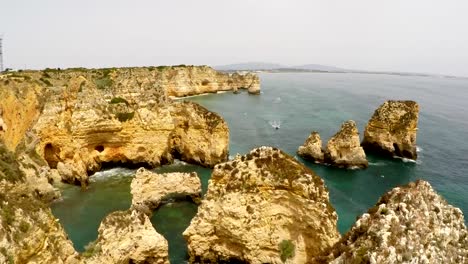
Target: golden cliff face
(185, 81)
(81, 119)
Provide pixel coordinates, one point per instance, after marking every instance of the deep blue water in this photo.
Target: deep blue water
(302, 102)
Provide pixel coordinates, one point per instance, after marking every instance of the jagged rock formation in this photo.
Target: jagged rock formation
(93, 117)
(29, 233)
(344, 149)
(312, 148)
(409, 224)
(150, 189)
(127, 237)
(392, 129)
(263, 207)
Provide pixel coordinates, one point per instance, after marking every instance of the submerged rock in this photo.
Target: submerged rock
(263, 207)
(392, 129)
(127, 237)
(344, 149)
(312, 148)
(409, 224)
(150, 189)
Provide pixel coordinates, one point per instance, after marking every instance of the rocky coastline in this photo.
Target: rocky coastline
(262, 207)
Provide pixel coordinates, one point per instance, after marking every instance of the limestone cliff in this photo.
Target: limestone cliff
(93, 117)
(73, 121)
(127, 237)
(263, 207)
(150, 189)
(392, 129)
(344, 149)
(409, 224)
(190, 80)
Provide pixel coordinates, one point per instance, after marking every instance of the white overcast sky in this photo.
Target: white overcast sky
(395, 35)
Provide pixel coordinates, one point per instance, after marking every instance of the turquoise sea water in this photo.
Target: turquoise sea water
(302, 102)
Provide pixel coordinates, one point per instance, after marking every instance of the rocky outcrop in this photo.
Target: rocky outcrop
(312, 148)
(344, 149)
(29, 233)
(263, 207)
(409, 224)
(127, 237)
(150, 189)
(392, 129)
(94, 117)
(180, 81)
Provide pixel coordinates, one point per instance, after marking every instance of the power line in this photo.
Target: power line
(1, 55)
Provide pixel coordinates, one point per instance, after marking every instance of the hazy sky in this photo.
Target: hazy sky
(399, 35)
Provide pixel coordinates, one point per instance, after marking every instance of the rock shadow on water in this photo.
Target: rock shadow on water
(171, 220)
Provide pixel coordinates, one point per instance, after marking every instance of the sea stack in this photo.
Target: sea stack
(344, 150)
(312, 148)
(263, 207)
(392, 129)
(409, 224)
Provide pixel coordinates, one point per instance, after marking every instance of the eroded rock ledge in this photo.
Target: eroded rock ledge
(263, 207)
(343, 149)
(392, 129)
(150, 189)
(409, 224)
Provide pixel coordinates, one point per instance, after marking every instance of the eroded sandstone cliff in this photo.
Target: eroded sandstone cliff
(263, 207)
(72, 122)
(392, 129)
(85, 118)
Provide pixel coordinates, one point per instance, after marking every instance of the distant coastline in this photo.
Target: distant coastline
(316, 68)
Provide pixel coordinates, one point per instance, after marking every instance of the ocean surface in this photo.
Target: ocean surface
(300, 103)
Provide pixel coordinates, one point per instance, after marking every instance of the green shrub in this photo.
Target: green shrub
(91, 249)
(103, 83)
(123, 117)
(117, 100)
(9, 168)
(47, 82)
(287, 249)
(24, 226)
(8, 215)
(45, 74)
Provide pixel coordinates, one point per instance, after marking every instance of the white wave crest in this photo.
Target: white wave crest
(179, 162)
(419, 149)
(111, 174)
(378, 163)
